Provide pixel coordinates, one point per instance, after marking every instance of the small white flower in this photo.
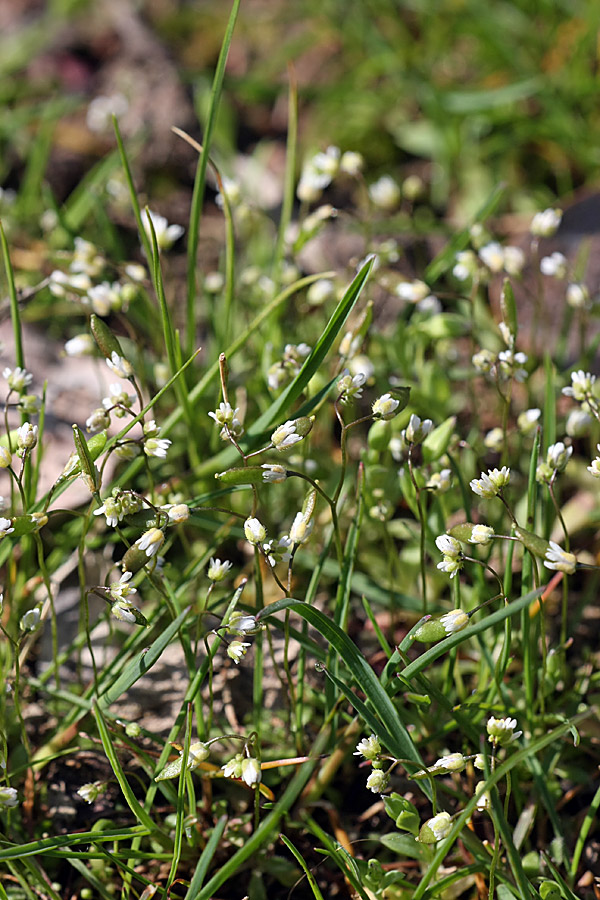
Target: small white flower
(439, 481)
(494, 440)
(254, 530)
(166, 234)
(101, 110)
(5, 458)
(242, 624)
(481, 534)
(224, 414)
(430, 305)
(511, 364)
(31, 619)
(179, 513)
(545, 224)
(350, 386)
(448, 545)
(5, 526)
(351, 162)
(578, 296)
(417, 430)
(578, 423)
(301, 529)
(286, 435)
(581, 385)
(251, 773)
(233, 768)
(492, 256)
(451, 565)
(527, 421)
(214, 282)
(385, 193)
(273, 474)
(8, 798)
(320, 291)
(436, 828)
(117, 397)
(157, 447)
(466, 265)
(124, 611)
(278, 551)
(594, 469)
(514, 260)
(557, 456)
(453, 762)
(378, 781)
(80, 345)
(559, 559)
(121, 589)
(91, 791)
(369, 748)
(555, 265)
(112, 508)
(413, 187)
(237, 649)
(98, 420)
(105, 298)
(490, 485)
(218, 570)
(119, 365)
(484, 801)
(412, 291)
(26, 437)
(502, 731)
(484, 361)
(385, 407)
(151, 541)
(17, 378)
(455, 620)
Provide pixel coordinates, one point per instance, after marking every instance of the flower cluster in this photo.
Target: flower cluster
(452, 561)
(492, 484)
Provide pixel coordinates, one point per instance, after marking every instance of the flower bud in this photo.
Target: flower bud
(255, 531)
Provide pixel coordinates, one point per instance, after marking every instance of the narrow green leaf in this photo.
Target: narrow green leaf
(206, 858)
(132, 802)
(45, 845)
(140, 666)
(399, 742)
(300, 859)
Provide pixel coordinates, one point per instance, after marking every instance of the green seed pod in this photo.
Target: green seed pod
(437, 441)
(508, 307)
(379, 436)
(86, 462)
(462, 532)
(549, 890)
(308, 507)
(241, 475)
(536, 545)
(28, 524)
(95, 446)
(430, 631)
(134, 559)
(304, 424)
(107, 342)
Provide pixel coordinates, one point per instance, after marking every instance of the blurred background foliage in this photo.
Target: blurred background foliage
(470, 93)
